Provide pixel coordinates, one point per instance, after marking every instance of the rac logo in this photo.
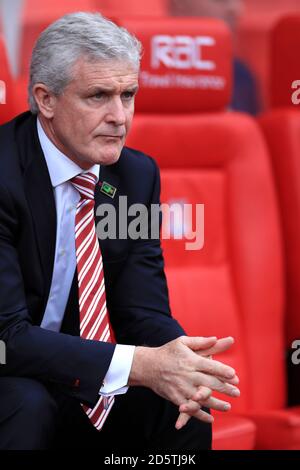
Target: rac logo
(181, 52)
(2, 92)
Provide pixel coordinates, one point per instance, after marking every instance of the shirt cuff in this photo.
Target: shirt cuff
(116, 379)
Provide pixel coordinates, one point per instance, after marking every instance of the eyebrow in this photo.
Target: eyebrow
(103, 89)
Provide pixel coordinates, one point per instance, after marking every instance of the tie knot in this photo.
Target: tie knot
(85, 183)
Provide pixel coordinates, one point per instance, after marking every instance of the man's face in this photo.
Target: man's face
(93, 115)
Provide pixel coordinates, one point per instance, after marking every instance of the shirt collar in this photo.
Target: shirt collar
(60, 167)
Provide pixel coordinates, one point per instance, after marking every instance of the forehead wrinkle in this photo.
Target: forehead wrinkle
(95, 85)
(104, 69)
(110, 82)
(111, 87)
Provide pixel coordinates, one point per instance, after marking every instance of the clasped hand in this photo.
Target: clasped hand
(203, 397)
(183, 372)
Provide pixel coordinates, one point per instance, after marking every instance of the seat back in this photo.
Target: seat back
(233, 285)
(281, 128)
(148, 8)
(186, 65)
(269, 7)
(37, 16)
(6, 86)
(282, 132)
(258, 31)
(285, 64)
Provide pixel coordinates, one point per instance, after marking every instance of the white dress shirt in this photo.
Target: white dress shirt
(61, 170)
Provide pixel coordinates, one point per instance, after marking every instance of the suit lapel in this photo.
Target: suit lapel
(108, 174)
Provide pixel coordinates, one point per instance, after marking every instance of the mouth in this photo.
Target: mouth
(112, 136)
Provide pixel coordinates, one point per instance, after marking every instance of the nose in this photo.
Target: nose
(116, 112)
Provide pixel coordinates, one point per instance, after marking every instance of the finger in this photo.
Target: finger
(216, 404)
(202, 394)
(234, 381)
(197, 343)
(190, 407)
(182, 420)
(221, 345)
(203, 416)
(215, 368)
(218, 385)
(200, 415)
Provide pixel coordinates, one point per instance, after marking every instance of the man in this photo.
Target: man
(59, 164)
(245, 96)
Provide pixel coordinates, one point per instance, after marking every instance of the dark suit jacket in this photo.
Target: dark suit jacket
(136, 288)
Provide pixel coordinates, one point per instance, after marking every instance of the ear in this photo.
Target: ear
(45, 99)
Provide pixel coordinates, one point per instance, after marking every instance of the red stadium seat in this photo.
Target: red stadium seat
(285, 65)
(21, 94)
(196, 177)
(38, 15)
(269, 7)
(7, 110)
(235, 284)
(281, 128)
(282, 131)
(132, 7)
(183, 72)
(254, 40)
(233, 432)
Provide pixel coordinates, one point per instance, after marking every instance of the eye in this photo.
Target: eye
(128, 95)
(98, 96)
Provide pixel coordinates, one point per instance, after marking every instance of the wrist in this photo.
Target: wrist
(142, 366)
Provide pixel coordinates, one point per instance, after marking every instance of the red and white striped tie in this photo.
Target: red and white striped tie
(94, 322)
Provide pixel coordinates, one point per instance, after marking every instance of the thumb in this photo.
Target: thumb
(196, 343)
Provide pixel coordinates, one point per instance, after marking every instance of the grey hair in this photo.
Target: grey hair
(72, 36)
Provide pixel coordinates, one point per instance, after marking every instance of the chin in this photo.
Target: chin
(109, 159)
(110, 155)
